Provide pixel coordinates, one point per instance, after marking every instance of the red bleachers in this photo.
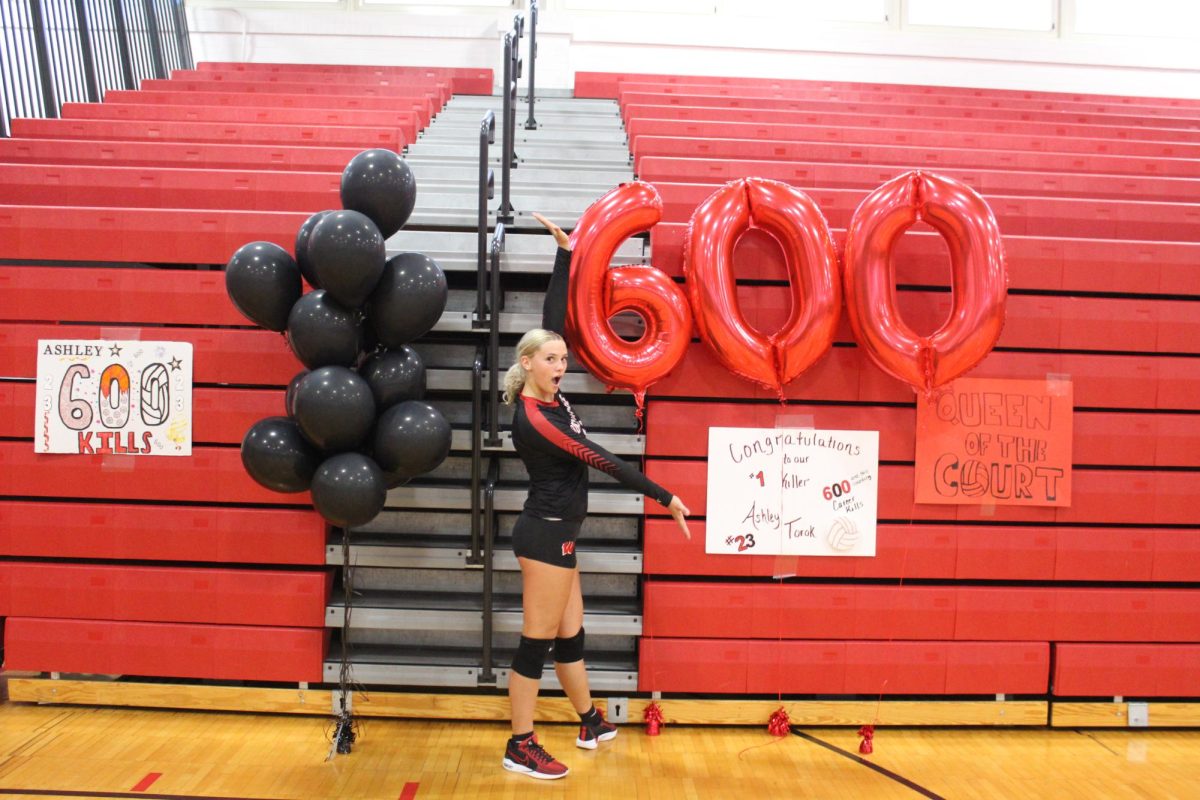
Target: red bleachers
(910, 117)
(948, 156)
(757, 611)
(464, 80)
(164, 594)
(1098, 203)
(1041, 263)
(215, 132)
(317, 105)
(741, 666)
(116, 532)
(102, 152)
(407, 121)
(168, 650)
(803, 174)
(607, 84)
(183, 172)
(163, 188)
(914, 134)
(1017, 216)
(1138, 670)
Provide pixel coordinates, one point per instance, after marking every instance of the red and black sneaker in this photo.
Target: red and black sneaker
(591, 735)
(528, 758)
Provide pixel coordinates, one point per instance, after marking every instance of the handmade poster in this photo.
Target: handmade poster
(99, 397)
(792, 491)
(995, 441)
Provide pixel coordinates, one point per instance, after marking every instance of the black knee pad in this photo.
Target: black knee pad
(569, 650)
(531, 657)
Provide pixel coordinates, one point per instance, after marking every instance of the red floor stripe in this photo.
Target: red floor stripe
(410, 791)
(145, 782)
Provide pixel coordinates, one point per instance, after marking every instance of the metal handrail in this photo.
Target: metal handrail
(505, 213)
(493, 439)
(486, 675)
(487, 190)
(475, 558)
(530, 122)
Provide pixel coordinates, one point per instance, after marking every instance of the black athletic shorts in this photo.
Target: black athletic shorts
(546, 540)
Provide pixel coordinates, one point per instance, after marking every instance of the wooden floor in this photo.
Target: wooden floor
(55, 751)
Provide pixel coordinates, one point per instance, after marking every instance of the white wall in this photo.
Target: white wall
(711, 38)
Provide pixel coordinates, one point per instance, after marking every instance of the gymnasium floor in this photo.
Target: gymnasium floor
(71, 751)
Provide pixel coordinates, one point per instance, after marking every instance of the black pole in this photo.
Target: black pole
(156, 51)
(487, 181)
(476, 556)
(85, 51)
(493, 439)
(41, 49)
(489, 539)
(123, 48)
(530, 122)
(505, 215)
(512, 109)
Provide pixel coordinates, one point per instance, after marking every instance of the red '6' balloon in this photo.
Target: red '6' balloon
(598, 292)
(796, 223)
(979, 281)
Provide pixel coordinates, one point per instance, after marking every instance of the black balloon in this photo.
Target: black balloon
(380, 184)
(263, 281)
(409, 299)
(334, 408)
(289, 396)
(348, 490)
(394, 480)
(411, 439)
(278, 456)
(322, 333)
(347, 253)
(395, 376)
(302, 259)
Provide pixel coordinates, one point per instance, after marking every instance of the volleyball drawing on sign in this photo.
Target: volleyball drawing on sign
(781, 491)
(155, 394)
(842, 535)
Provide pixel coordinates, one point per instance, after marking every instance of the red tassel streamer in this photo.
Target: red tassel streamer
(653, 717)
(867, 746)
(779, 724)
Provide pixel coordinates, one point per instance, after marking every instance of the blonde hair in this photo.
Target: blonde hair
(531, 342)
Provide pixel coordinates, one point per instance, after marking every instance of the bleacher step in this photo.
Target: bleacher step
(460, 611)
(458, 498)
(621, 443)
(406, 551)
(455, 667)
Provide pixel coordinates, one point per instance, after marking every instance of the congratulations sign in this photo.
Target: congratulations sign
(784, 491)
(998, 441)
(106, 397)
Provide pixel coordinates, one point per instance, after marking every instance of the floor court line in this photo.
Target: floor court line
(887, 773)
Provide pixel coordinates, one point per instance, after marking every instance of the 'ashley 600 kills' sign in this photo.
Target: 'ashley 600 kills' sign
(97, 397)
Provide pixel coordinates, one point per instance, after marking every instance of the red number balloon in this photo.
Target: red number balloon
(796, 223)
(979, 281)
(598, 292)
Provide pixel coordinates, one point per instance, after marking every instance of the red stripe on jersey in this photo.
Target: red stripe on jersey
(560, 440)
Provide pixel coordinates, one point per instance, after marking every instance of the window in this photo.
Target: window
(1021, 15)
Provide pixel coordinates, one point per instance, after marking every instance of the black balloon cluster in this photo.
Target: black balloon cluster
(356, 423)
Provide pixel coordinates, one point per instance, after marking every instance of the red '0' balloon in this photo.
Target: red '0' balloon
(979, 281)
(792, 218)
(598, 292)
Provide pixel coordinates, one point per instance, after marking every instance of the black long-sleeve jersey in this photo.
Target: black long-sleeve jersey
(552, 441)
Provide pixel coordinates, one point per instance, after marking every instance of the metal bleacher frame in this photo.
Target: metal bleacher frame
(437, 600)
